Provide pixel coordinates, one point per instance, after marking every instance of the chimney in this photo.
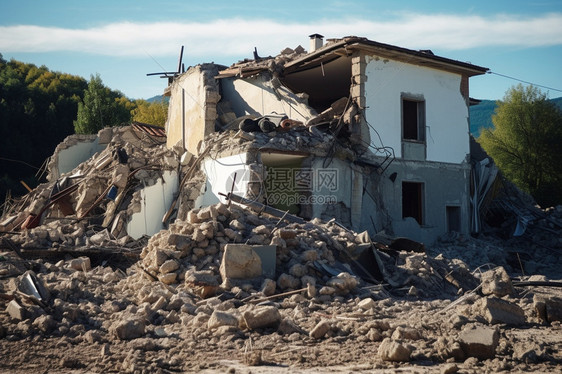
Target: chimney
(316, 41)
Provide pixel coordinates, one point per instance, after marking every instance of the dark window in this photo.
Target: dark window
(413, 119)
(453, 218)
(412, 201)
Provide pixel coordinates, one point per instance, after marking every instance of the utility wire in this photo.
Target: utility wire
(522, 81)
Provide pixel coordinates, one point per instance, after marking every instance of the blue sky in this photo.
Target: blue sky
(124, 40)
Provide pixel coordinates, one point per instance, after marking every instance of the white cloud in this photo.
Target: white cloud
(236, 36)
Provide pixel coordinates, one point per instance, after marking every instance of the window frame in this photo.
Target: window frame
(420, 118)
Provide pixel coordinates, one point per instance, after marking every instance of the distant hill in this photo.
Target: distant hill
(158, 98)
(481, 115)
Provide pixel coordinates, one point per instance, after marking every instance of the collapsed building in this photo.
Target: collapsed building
(289, 194)
(390, 147)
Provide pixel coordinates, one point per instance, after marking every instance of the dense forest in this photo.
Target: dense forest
(39, 108)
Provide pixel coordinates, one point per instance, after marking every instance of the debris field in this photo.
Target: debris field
(232, 288)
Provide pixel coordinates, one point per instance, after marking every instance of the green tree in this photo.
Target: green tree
(525, 143)
(155, 113)
(101, 107)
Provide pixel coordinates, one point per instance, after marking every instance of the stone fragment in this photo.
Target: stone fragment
(219, 319)
(81, 264)
(497, 310)
(286, 281)
(479, 341)
(261, 317)
(548, 309)
(120, 175)
(16, 311)
(297, 270)
(240, 261)
(46, 323)
(367, 303)
(320, 330)
(405, 333)
(169, 266)
(287, 233)
(268, 287)
(496, 282)
(204, 282)
(168, 278)
(390, 350)
(128, 329)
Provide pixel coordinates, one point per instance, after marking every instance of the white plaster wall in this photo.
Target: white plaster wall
(255, 96)
(220, 174)
(155, 202)
(447, 131)
(71, 157)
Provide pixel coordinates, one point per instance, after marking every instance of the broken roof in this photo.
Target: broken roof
(347, 45)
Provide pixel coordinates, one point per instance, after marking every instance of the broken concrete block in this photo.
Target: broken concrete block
(16, 311)
(204, 283)
(497, 310)
(320, 330)
(240, 261)
(367, 303)
(168, 278)
(479, 341)
(496, 282)
(548, 309)
(298, 270)
(120, 176)
(81, 263)
(128, 329)
(219, 319)
(390, 350)
(169, 266)
(261, 317)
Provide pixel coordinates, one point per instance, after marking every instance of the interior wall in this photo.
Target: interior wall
(155, 202)
(71, 157)
(220, 175)
(256, 96)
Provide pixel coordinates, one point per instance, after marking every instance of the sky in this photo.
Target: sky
(123, 40)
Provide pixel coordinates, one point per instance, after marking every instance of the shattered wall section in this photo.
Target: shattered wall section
(261, 95)
(153, 202)
(71, 152)
(192, 109)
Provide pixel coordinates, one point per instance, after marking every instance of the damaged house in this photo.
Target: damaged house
(372, 135)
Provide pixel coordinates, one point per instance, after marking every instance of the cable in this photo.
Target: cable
(21, 162)
(522, 81)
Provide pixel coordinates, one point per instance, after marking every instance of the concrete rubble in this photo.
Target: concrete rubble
(97, 279)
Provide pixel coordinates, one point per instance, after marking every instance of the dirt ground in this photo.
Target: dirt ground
(80, 338)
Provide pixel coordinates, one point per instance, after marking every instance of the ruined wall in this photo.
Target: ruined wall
(71, 152)
(153, 203)
(447, 129)
(192, 110)
(257, 96)
(443, 185)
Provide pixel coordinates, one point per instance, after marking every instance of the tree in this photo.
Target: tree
(101, 107)
(525, 143)
(155, 113)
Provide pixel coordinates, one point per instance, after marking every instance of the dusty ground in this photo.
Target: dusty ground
(80, 337)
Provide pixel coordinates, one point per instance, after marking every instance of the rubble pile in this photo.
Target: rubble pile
(89, 205)
(227, 286)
